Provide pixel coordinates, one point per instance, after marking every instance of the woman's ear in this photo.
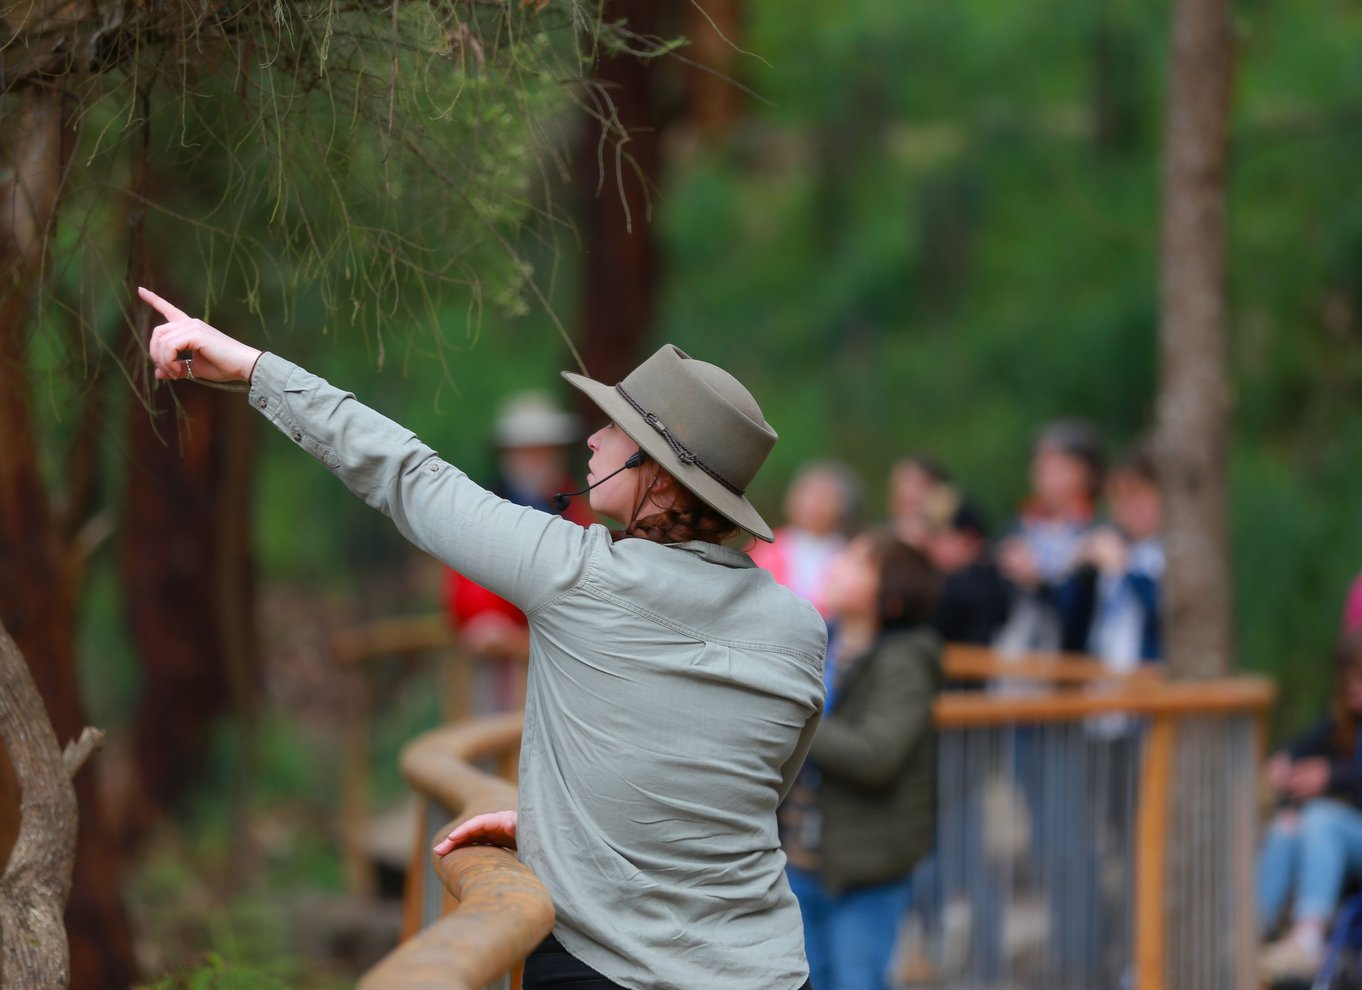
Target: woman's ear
(662, 481)
(651, 481)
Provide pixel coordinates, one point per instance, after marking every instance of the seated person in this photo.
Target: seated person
(1314, 841)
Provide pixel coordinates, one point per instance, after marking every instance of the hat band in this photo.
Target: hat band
(683, 453)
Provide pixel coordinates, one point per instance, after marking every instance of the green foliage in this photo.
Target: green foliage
(363, 165)
(246, 854)
(943, 230)
(215, 974)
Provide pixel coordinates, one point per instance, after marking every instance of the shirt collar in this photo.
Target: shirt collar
(715, 553)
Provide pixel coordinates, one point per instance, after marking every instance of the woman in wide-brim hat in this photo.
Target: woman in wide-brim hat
(673, 690)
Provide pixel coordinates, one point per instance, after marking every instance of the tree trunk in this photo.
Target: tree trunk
(1193, 410)
(37, 600)
(37, 879)
(185, 569)
(714, 103)
(617, 163)
(1193, 404)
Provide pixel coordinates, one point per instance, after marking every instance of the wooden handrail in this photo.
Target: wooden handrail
(503, 913)
(355, 650)
(438, 763)
(1148, 698)
(962, 662)
(503, 910)
(385, 637)
(424, 633)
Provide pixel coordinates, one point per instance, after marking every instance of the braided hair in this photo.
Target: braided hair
(687, 518)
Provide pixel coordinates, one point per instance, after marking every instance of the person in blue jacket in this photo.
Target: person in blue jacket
(1127, 561)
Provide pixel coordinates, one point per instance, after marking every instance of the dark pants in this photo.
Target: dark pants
(551, 966)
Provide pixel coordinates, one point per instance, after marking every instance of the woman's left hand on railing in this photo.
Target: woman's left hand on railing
(496, 829)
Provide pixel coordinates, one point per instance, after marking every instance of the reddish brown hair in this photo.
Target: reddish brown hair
(908, 581)
(685, 518)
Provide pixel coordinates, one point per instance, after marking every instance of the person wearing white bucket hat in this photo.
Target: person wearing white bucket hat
(531, 438)
(674, 687)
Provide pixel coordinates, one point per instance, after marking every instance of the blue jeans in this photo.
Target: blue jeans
(849, 937)
(1314, 850)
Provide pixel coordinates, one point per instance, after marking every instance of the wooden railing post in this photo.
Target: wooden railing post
(1151, 852)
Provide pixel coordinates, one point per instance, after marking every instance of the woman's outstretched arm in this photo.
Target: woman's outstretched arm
(526, 556)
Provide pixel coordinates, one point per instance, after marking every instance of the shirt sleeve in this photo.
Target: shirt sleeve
(526, 556)
(790, 771)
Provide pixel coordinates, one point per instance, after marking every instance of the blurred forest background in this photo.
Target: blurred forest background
(906, 226)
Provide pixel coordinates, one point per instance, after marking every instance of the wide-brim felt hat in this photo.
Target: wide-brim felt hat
(697, 422)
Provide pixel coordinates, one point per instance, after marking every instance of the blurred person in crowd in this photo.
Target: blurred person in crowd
(531, 438)
(975, 597)
(1128, 563)
(1314, 841)
(862, 813)
(1052, 610)
(1046, 547)
(821, 506)
(1120, 575)
(913, 481)
(1352, 611)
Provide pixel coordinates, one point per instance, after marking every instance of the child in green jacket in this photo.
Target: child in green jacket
(863, 812)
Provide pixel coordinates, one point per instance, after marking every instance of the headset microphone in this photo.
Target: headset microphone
(560, 501)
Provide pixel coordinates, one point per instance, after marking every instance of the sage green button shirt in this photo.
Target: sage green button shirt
(673, 694)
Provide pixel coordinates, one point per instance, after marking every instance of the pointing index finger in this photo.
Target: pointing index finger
(170, 312)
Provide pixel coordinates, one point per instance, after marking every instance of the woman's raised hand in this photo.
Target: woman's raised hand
(217, 357)
(497, 829)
